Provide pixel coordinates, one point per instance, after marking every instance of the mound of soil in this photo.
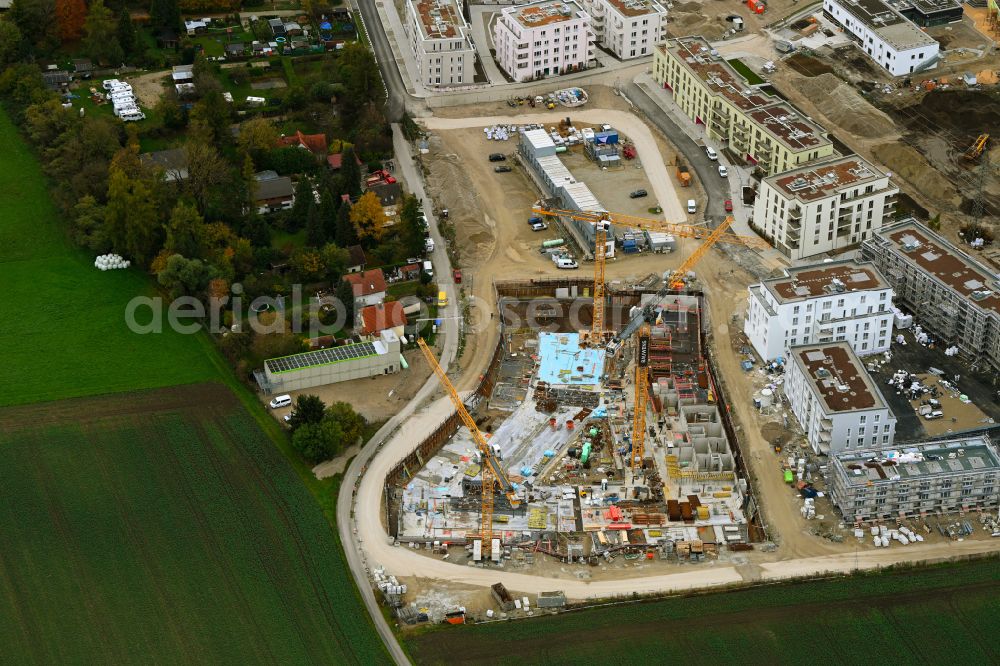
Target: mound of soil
(807, 65)
(966, 113)
(845, 108)
(904, 160)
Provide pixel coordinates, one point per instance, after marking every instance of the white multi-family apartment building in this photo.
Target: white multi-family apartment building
(764, 130)
(835, 400)
(955, 297)
(842, 301)
(959, 474)
(823, 207)
(885, 35)
(627, 28)
(441, 43)
(543, 39)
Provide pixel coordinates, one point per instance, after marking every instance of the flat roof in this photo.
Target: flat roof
(928, 7)
(696, 54)
(946, 262)
(321, 357)
(546, 12)
(790, 126)
(887, 23)
(826, 280)
(555, 170)
(539, 138)
(953, 456)
(778, 118)
(823, 179)
(836, 375)
(632, 8)
(563, 362)
(583, 198)
(439, 19)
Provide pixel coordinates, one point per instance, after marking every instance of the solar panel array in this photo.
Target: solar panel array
(320, 357)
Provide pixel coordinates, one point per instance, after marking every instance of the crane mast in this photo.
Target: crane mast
(600, 250)
(492, 471)
(641, 395)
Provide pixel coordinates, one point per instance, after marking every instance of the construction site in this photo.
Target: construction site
(596, 453)
(599, 430)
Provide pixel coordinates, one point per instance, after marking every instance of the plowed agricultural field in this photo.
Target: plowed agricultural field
(944, 614)
(164, 526)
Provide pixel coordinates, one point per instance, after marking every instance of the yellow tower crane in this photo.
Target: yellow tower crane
(492, 471)
(673, 282)
(641, 395)
(602, 222)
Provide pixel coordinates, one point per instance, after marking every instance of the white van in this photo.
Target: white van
(428, 268)
(428, 244)
(280, 401)
(712, 155)
(566, 262)
(692, 206)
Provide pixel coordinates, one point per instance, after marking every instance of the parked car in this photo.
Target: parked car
(457, 275)
(498, 157)
(539, 226)
(712, 155)
(280, 401)
(729, 205)
(692, 206)
(723, 171)
(566, 262)
(637, 194)
(502, 169)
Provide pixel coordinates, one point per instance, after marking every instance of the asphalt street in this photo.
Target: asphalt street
(407, 169)
(397, 97)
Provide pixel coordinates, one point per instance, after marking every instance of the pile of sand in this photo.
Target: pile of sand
(904, 161)
(841, 104)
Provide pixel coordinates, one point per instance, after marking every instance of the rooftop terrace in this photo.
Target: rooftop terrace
(813, 182)
(778, 118)
(633, 8)
(954, 456)
(790, 127)
(547, 12)
(439, 19)
(718, 74)
(837, 377)
(826, 279)
(947, 263)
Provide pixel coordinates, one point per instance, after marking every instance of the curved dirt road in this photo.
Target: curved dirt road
(401, 561)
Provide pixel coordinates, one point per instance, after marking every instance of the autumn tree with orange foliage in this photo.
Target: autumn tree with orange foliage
(368, 217)
(70, 15)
